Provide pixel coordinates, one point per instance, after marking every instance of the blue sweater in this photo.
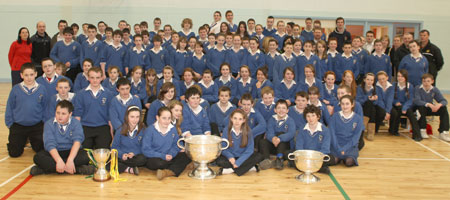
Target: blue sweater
(255, 61)
(137, 59)
(179, 61)
(80, 82)
(376, 64)
(218, 117)
(236, 59)
(308, 35)
(112, 87)
(346, 133)
(93, 51)
(210, 94)
(343, 64)
(196, 124)
(128, 144)
(322, 67)
(357, 109)
(115, 57)
(268, 32)
(241, 89)
(302, 61)
(421, 97)
(157, 145)
(266, 111)
(189, 35)
(66, 53)
(270, 62)
(298, 117)
(50, 87)
(415, 68)
(139, 89)
(287, 128)
(363, 96)
(174, 81)
(386, 98)
(117, 110)
(214, 59)
(318, 141)
(280, 39)
(232, 84)
(24, 107)
(93, 111)
(158, 60)
(51, 106)
(198, 65)
(303, 86)
(281, 63)
(363, 59)
(256, 92)
(153, 111)
(404, 96)
(241, 154)
(330, 95)
(282, 92)
(54, 138)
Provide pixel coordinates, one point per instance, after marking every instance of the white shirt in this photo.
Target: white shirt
(215, 27)
(124, 101)
(204, 84)
(249, 80)
(159, 129)
(341, 113)
(64, 127)
(288, 85)
(229, 105)
(138, 50)
(196, 110)
(96, 92)
(387, 85)
(131, 133)
(70, 96)
(225, 81)
(54, 77)
(311, 132)
(310, 84)
(93, 41)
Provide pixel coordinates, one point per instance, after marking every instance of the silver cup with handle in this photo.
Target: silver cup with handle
(101, 156)
(308, 161)
(203, 149)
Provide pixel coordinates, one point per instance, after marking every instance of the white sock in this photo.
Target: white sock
(227, 171)
(253, 169)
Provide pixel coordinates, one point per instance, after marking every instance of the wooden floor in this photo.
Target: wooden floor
(390, 168)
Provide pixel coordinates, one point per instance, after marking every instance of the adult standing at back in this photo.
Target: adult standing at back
(402, 51)
(62, 24)
(19, 53)
(432, 53)
(215, 26)
(341, 34)
(41, 46)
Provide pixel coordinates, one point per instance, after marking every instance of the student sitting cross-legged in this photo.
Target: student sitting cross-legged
(63, 153)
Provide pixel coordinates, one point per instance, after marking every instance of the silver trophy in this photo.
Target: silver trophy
(203, 149)
(308, 161)
(101, 156)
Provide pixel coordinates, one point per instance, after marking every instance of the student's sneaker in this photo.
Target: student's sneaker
(423, 133)
(35, 170)
(265, 164)
(86, 169)
(227, 171)
(444, 136)
(133, 170)
(278, 164)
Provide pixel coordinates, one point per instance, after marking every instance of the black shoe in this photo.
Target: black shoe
(35, 170)
(86, 169)
(265, 164)
(135, 171)
(257, 168)
(324, 170)
(291, 164)
(395, 134)
(278, 164)
(418, 139)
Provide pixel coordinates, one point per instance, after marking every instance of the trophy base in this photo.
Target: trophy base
(101, 180)
(202, 173)
(307, 178)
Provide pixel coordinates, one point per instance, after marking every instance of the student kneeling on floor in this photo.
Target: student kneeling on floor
(63, 136)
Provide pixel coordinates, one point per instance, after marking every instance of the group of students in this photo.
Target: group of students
(263, 103)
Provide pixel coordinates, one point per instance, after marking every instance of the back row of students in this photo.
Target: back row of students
(95, 105)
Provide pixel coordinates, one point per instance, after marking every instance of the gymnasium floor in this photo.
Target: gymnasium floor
(390, 168)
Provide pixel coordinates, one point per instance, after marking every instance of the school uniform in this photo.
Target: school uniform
(358, 109)
(230, 82)
(281, 63)
(67, 52)
(283, 129)
(119, 107)
(153, 111)
(307, 35)
(195, 121)
(187, 35)
(285, 91)
(298, 118)
(51, 105)
(372, 109)
(245, 156)
(150, 97)
(198, 64)
(244, 87)
(344, 63)
(342, 37)
(346, 134)
(236, 59)
(81, 81)
(157, 144)
(215, 58)
(179, 60)
(128, 45)
(377, 63)
(403, 95)
(25, 110)
(61, 137)
(158, 59)
(260, 40)
(209, 92)
(138, 88)
(325, 115)
(269, 32)
(270, 62)
(92, 50)
(322, 66)
(386, 97)
(332, 59)
(93, 110)
(254, 61)
(280, 39)
(129, 143)
(137, 57)
(318, 140)
(81, 38)
(416, 67)
(267, 111)
(303, 85)
(330, 94)
(166, 41)
(363, 59)
(110, 85)
(256, 92)
(217, 116)
(115, 56)
(422, 98)
(175, 82)
(184, 86)
(50, 85)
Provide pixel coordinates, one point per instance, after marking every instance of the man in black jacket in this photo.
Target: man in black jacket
(432, 53)
(62, 24)
(341, 34)
(41, 46)
(402, 51)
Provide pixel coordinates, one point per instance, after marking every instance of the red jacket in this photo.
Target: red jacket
(19, 54)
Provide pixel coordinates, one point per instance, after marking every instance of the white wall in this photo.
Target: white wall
(15, 14)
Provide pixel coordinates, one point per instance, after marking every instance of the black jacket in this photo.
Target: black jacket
(399, 53)
(41, 48)
(433, 55)
(341, 38)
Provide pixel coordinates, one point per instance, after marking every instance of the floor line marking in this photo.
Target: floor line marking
(15, 176)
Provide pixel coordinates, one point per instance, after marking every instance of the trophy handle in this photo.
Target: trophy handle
(291, 156)
(326, 158)
(226, 147)
(178, 143)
